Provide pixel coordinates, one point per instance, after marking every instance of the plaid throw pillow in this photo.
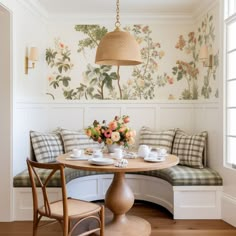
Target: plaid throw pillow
(47, 146)
(190, 148)
(162, 139)
(76, 139)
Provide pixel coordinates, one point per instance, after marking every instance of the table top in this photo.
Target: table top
(134, 164)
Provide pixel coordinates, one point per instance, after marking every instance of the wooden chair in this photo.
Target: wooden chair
(66, 210)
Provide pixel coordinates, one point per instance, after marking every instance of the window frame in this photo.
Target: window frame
(230, 18)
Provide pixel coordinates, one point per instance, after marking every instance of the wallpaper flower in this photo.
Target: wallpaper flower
(189, 71)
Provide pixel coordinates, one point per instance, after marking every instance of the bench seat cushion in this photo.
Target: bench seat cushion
(187, 176)
(176, 176)
(22, 179)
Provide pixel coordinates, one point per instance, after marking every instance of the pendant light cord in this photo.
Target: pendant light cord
(117, 24)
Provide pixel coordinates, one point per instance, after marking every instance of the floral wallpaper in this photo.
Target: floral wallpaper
(189, 70)
(142, 82)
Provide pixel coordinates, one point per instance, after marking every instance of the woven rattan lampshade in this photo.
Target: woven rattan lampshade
(118, 48)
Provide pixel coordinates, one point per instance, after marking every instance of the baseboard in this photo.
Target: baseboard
(229, 209)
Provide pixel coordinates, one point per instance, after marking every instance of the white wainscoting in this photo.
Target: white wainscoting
(229, 209)
(47, 116)
(190, 116)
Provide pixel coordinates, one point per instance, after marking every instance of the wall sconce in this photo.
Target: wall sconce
(33, 57)
(205, 56)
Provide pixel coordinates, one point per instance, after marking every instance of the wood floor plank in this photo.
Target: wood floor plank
(160, 219)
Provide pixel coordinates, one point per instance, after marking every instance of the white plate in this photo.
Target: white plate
(101, 161)
(74, 158)
(156, 159)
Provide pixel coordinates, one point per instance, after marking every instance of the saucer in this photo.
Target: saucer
(75, 158)
(101, 161)
(155, 159)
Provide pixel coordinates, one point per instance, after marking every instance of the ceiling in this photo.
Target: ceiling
(72, 7)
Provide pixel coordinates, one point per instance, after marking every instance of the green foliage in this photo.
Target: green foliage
(94, 34)
(144, 83)
(58, 58)
(50, 56)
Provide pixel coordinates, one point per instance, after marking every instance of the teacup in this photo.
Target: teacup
(97, 153)
(118, 153)
(161, 151)
(76, 152)
(143, 151)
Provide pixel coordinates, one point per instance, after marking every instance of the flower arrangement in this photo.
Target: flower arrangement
(115, 132)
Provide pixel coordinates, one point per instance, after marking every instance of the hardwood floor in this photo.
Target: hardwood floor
(159, 218)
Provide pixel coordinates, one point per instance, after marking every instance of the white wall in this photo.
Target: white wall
(6, 115)
(21, 30)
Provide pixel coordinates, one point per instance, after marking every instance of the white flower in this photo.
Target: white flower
(115, 136)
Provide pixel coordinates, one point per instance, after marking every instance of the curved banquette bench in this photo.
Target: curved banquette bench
(189, 191)
(186, 192)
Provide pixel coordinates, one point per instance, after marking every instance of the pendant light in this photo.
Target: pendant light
(118, 47)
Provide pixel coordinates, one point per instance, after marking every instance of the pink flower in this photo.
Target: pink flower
(170, 80)
(126, 119)
(107, 133)
(145, 29)
(122, 129)
(50, 78)
(99, 140)
(61, 45)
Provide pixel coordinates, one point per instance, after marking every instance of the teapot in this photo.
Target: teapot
(143, 151)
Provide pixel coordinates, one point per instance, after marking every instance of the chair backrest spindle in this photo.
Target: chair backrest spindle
(38, 182)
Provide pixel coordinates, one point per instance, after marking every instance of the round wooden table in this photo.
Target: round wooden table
(119, 197)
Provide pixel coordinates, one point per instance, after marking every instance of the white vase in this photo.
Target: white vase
(111, 148)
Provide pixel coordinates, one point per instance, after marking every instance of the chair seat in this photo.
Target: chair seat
(76, 209)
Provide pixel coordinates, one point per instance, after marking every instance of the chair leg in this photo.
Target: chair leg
(35, 224)
(102, 221)
(66, 227)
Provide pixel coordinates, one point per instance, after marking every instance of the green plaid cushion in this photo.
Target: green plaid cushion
(163, 139)
(76, 139)
(176, 176)
(186, 176)
(23, 180)
(189, 148)
(47, 146)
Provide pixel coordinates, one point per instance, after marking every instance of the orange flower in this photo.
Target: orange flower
(131, 141)
(88, 132)
(112, 125)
